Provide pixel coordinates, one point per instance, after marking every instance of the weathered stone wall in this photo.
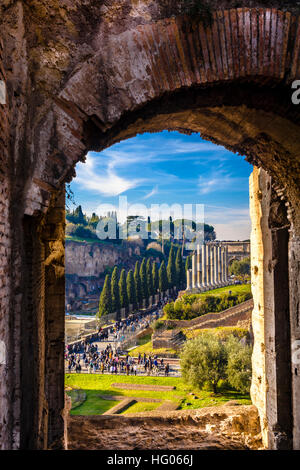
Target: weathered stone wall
(5, 280)
(271, 389)
(91, 259)
(229, 80)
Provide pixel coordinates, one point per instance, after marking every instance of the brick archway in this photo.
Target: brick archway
(228, 79)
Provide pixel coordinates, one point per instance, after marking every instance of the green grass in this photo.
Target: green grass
(140, 407)
(235, 290)
(93, 405)
(95, 385)
(221, 331)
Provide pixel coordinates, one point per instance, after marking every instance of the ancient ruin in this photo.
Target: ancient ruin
(80, 76)
(209, 268)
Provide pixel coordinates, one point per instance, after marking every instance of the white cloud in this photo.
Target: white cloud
(102, 180)
(153, 192)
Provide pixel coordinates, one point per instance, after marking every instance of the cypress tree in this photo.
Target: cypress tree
(105, 304)
(155, 277)
(171, 269)
(180, 271)
(188, 263)
(143, 276)
(163, 278)
(131, 292)
(138, 285)
(149, 278)
(115, 294)
(123, 290)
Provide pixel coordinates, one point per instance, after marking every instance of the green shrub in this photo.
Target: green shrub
(191, 306)
(210, 358)
(157, 325)
(239, 366)
(203, 361)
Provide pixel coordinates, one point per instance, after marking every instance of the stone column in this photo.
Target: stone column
(220, 283)
(212, 266)
(223, 267)
(188, 279)
(226, 265)
(204, 261)
(208, 254)
(272, 389)
(216, 266)
(194, 271)
(199, 278)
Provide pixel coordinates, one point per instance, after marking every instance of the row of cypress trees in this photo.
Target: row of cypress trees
(146, 280)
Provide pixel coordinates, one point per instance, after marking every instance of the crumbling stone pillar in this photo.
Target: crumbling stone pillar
(42, 378)
(204, 263)
(294, 286)
(271, 379)
(188, 279)
(208, 267)
(194, 271)
(212, 266)
(220, 266)
(9, 368)
(216, 266)
(199, 267)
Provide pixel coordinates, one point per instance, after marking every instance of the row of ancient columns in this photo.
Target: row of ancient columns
(209, 268)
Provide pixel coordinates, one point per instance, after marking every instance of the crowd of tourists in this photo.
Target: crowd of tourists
(111, 361)
(88, 356)
(122, 328)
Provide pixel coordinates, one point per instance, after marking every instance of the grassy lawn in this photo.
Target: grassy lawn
(220, 331)
(95, 385)
(93, 405)
(235, 290)
(140, 407)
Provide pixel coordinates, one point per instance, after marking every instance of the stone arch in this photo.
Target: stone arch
(229, 79)
(233, 77)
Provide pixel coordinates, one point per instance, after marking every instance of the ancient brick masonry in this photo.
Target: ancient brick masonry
(5, 279)
(85, 75)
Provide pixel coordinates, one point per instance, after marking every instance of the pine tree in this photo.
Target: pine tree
(144, 284)
(115, 294)
(188, 263)
(105, 304)
(149, 278)
(131, 292)
(138, 285)
(80, 219)
(123, 290)
(180, 270)
(163, 278)
(171, 269)
(155, 277)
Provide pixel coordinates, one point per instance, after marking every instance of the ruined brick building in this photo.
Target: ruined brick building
(84, 74)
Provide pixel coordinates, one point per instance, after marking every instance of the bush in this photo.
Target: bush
(210, 358)
(157, 325)
(195, 305)
(204, 360)
(239, 366)
(84, 232)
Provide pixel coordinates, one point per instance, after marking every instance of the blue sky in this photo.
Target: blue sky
(170, 168)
